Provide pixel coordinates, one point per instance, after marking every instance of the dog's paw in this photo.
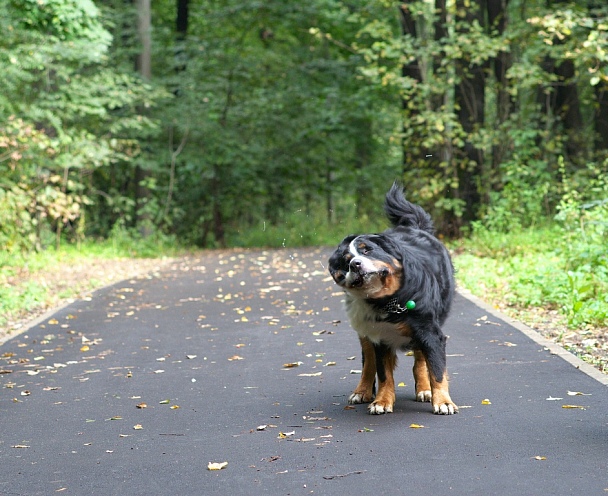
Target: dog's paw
(445, 408)
(379, 409)
(424, 396)
(358, 398)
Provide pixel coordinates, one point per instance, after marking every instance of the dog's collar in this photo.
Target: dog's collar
(393, 306)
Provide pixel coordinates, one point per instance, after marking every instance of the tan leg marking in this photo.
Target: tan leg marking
(385, 399)
(364, 392)
(421, 378)
(442, 403)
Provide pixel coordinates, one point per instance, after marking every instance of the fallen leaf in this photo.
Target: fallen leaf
(283, 435)
(329, 364)
(174, 407)
(261, 427)
(141, 405)
(235, 357)
(85, 348)
(217, 466)
(117, 417)
(401, 384)
(551, 398)
(190, 357)
(20, 446)
(540, 458)
(574, 407)
(137, 427)
(349, 407)
(315, 374)
(577, 393)
(292, 365)
(164, 402)
(486, 402)
(416, 426)
(25, 393)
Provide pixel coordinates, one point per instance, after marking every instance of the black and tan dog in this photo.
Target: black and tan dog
(399, 286)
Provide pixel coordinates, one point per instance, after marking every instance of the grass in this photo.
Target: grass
(551, 278)
(35, 280)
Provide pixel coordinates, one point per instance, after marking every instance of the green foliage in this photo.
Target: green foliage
(263, 109)
(564, 267)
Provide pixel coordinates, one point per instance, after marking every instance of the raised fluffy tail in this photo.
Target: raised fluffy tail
(403, 213)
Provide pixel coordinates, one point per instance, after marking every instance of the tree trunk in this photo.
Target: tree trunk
(497, 19)
(181, 29)
(601, 121)
(143, 65)
(470, 105)
(411, 69)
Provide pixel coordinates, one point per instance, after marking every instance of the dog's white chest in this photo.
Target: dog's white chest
(364, 320)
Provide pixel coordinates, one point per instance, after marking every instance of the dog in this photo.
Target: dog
(399, 286)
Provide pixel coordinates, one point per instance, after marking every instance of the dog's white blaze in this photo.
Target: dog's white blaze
(366, 263)
(363, 319)
(368, 269)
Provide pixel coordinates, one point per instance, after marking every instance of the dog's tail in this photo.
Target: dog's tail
(403, 213)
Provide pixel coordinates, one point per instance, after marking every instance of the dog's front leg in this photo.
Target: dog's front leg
(386, 361)
(364, 392)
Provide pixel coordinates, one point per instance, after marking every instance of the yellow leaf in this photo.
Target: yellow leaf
(416, 426)
(401, 384)
(174, 407)
(217, 466)
(53, 322)
(137, 427)
(486, 402)
(291, 365)
(574, 406)
(540, 457)
(235, 357)
(85, 348)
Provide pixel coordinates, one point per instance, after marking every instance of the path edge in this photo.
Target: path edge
(553, 348)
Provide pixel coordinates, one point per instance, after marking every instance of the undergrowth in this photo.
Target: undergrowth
(561, 266)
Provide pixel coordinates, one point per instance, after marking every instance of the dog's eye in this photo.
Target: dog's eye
(366, 251)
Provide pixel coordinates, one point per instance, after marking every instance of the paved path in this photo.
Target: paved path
(211, 336)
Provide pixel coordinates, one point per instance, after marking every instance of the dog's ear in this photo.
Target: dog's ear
(348, 239)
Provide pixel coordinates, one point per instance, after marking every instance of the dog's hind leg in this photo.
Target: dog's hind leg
(433, 350)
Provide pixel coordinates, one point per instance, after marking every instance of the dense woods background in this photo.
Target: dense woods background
(212, 120)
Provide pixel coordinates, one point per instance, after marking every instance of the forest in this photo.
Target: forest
(210, 120)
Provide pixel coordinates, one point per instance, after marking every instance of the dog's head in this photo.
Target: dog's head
(367, 266)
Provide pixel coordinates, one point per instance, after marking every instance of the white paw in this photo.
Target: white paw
(357, 398)
(424, 397)
(376, 409)
(445, 409)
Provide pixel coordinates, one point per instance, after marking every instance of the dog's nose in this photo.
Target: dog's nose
(355, 264)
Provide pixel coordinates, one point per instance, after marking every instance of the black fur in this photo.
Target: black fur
(405, 262)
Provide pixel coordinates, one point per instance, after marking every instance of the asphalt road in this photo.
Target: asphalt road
(135, 390)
